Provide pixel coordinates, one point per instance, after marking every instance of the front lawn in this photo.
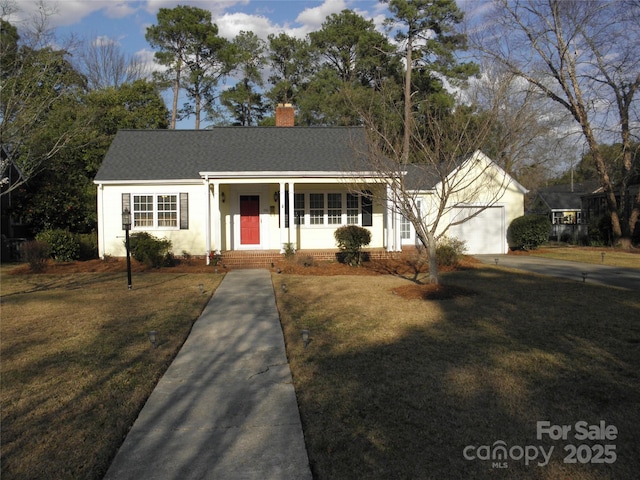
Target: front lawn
(396, 388)
(612, 256)
(77, 365)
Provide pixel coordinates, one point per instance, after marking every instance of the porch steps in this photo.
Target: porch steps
(266, 258)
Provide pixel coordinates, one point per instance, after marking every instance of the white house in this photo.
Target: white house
(243, 188)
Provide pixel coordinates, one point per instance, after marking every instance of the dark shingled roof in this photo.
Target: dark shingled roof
(562, 200)
(182, 154)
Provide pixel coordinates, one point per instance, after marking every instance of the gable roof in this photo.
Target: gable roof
(562, 200)
(148, 155)
(428, 176)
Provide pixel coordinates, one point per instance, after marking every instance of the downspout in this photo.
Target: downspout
(101, 245)
(207, 232)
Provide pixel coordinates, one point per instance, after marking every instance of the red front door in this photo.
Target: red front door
(249, 220)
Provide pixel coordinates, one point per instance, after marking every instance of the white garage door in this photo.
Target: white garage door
(484, 234)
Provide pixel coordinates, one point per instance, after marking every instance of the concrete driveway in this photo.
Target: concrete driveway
(628, 278)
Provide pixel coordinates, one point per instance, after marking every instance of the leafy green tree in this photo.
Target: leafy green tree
(613, 156)
(245, 105)
(186, 39)
(209, 60)
(352, 60)
(290, 60)
(245, 102)
(427, 30)
(353, 47)
(63, 195)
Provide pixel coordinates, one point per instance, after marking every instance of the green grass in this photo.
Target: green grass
(77, 365)
(396, 388)
(612, 257)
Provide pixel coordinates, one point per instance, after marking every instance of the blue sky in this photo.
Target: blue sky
(125, 22)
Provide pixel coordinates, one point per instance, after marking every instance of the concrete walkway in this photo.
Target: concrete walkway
(226, 407)
(602, 274)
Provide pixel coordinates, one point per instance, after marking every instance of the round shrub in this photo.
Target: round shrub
(350, 240)
(528, 232)
(148, 249)
(449, 251)
(63, 245)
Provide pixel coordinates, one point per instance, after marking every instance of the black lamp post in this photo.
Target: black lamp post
(126, 226)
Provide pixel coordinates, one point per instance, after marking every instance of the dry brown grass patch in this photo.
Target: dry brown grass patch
(77, 365)
(390, 388)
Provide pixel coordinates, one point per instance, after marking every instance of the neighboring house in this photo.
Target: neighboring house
(563, 205)
(594, 205)
(244, 188)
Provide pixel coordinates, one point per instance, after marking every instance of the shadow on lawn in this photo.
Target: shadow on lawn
(488, 372)
(71, 394)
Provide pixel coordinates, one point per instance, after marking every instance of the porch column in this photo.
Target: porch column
(390, 219)
(292, 224)
(217, 235)
(398, 233)
(207, 222)
(283, 230)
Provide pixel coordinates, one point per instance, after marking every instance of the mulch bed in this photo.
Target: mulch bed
(406, 266)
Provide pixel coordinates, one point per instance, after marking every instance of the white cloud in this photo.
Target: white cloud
(104, 40)
(312, 18)
(231, 24)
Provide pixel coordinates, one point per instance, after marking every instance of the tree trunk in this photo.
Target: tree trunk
(176, 93)
(197, 100)
(434, 277)
(407, 104)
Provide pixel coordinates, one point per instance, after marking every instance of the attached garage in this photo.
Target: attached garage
(484, 233)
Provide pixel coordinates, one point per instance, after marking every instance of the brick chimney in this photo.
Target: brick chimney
(285, 115)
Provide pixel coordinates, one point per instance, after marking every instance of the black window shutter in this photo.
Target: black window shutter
(367, 209)
(184, 211)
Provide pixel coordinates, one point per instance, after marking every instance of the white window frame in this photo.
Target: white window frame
(345, 218)
(155, 212)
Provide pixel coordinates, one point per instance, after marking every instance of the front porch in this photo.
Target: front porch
(234, 259)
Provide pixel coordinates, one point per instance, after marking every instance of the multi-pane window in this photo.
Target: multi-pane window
(143, 210)
(405, 228)
(167, 211)
(155, 211)
(316, 208)
(558, 217)
(353, 208)
(298, 208)
(334, 208)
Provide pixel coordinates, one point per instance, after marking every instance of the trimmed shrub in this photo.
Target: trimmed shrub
(64, 245)
(36, 253)
(528, 232)
(88, 246)
(449, 251)
(350, 240)
(150, 250)
(289, 250)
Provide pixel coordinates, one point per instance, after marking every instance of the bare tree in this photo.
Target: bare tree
(532, 139)
(38, 91)
(105, 64)
(446, 163)
(584, 56)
